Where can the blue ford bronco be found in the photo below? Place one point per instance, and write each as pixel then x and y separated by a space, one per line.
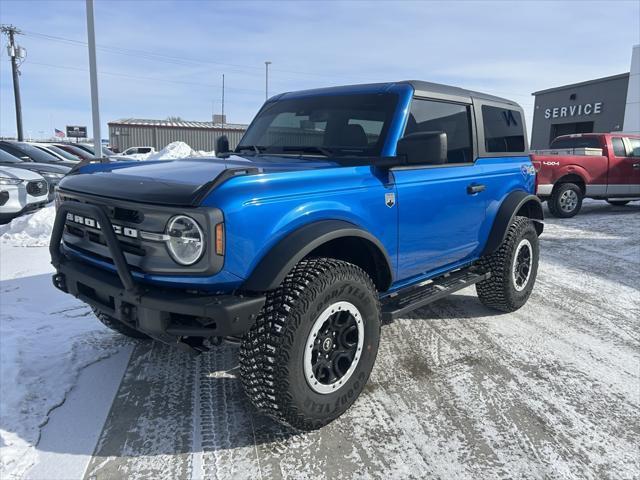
pixel 340 209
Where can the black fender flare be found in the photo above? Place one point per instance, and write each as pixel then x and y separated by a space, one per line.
pixel 272 269
pixel 515 202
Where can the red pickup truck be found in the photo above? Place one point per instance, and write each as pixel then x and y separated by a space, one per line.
pixel 604 166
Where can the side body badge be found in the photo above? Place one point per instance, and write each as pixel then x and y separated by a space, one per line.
pixel 390 199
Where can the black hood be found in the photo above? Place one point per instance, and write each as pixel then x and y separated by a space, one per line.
pixel 183 182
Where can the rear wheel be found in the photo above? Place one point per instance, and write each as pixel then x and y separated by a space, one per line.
pixel 566 200
pixel 513 268
pixel 311 351
pixel 618 203
pixel 117 326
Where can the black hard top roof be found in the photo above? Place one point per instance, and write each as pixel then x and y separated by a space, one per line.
pixel 426 88
pixel 422 89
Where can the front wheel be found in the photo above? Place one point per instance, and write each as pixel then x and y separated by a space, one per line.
pixel 513 268
pixel 311 351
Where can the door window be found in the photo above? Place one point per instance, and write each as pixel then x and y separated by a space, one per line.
pixel 634 143
pixel 450 118
pixel 618 147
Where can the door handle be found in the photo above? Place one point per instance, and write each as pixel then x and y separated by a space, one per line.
pixel 475 188
pixel 636 165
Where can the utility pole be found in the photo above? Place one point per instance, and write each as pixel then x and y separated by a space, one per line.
pixel 93 76
pixel 223 101
pixel 266 80
pixel 15 52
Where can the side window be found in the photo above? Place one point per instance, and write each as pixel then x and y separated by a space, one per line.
pixel 450 118
pixel 503 130
pixel 618 147
pixel 634 143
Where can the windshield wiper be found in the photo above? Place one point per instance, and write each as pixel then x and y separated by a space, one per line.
pixel 256 148
pixel 309 149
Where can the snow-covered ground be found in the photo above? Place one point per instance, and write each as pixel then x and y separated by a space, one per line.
pixel 551 391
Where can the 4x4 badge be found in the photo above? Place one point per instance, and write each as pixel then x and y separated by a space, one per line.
pixel 390 199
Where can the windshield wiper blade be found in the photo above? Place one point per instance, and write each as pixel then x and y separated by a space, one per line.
pixel 256 148
pixel 309 149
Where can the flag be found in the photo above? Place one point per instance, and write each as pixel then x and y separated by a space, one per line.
pixel 59 133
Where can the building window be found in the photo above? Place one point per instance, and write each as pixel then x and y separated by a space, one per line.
pixel 503 130
pixel 450 118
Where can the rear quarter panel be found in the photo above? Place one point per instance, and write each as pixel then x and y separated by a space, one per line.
pixel 503 175
pixel 591 168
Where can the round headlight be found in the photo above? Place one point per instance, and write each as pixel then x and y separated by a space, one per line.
pixel 186 240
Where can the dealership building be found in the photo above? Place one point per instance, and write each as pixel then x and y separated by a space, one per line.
pixel 136 132
pixel 608 104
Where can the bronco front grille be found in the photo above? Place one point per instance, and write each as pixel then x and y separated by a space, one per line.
pixel 37 188
pixel 139 229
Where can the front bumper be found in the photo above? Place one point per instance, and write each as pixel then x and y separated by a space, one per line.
pixel 168 315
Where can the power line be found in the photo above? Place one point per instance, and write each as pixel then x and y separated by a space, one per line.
pixel 153 56
pixel 137 77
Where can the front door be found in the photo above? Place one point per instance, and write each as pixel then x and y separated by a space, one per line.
pixel 441 207
pixel 624 167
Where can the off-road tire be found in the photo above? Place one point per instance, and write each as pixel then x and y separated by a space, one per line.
pixel 554 202
pixel 272 352
pixel 499 291
pixel 618 203
pixel 117 326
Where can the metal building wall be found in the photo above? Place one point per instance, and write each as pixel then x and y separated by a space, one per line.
pixel 125 136
pixel 610 93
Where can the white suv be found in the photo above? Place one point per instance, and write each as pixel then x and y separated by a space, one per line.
pixel 21 191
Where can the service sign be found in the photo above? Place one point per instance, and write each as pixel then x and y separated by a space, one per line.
pixel 76 132
pixel 574 110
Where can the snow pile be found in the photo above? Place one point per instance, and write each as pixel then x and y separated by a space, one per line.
pixel 32 230
pixel 173 151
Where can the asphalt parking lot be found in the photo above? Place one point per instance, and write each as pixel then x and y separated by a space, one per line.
pixel 550 391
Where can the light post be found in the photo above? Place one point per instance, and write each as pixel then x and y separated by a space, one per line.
pixel 266 80
pixel 93 78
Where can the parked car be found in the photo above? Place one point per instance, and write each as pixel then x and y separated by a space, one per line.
pixel 56 151
pixel 21 191
pixel 30 153
pixel 138 151
pixel 604 166
pixel 89 147
pixel 341 207
pixel 75 150
pixel 51 173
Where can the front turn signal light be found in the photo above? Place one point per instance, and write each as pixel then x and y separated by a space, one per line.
pixel 220 239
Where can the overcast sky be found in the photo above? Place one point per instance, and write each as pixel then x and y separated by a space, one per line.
pixel 166 58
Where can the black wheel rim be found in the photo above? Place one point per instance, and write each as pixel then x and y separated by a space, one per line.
pixel 333 347
pixel 522 264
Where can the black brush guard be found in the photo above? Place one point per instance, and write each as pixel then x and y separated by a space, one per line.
pixel 166 314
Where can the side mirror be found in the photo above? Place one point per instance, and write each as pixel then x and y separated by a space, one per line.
pixel 423 147
pixel 222 145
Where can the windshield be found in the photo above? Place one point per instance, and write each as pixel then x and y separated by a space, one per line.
pixel 6 157
pixel 62 153
pixel 353 125
pixel 35 154
pixel 576 142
